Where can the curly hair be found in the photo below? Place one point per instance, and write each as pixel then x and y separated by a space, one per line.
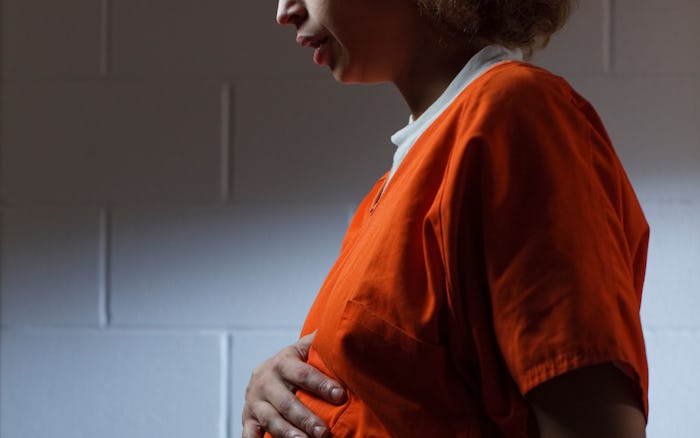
pixel 527 24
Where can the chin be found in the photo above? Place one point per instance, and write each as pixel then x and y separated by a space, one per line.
pixel 342 75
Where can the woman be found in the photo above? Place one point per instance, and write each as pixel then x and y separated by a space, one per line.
pixel 489 284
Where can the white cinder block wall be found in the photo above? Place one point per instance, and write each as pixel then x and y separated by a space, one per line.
pixel 176 176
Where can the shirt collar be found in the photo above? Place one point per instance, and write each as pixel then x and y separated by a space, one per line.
pixel 477 64
pixel 475 67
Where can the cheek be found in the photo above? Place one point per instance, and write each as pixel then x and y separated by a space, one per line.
pixel 321 12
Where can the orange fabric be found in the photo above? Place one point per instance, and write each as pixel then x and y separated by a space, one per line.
pixel 508 249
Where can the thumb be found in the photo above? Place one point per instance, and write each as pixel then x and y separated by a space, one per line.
pixel 304 345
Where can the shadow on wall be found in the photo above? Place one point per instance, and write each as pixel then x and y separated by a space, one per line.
pixel 171 266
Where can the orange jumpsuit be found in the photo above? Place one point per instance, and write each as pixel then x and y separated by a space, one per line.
pixel 509 248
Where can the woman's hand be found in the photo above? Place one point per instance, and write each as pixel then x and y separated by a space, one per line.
pixel 270 401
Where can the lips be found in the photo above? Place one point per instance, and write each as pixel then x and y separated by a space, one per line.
pixel 318 42
pixel 313 41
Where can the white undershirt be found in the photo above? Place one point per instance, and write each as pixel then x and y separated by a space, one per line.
pixel 477 65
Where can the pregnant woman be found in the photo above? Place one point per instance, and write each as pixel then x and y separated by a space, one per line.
pixel 489 284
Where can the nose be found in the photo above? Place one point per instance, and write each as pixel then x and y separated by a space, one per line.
pixel 291 12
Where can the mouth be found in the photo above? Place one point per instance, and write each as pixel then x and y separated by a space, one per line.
pixel 320 45
pixel 313 41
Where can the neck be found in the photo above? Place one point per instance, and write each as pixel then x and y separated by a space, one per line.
pixel 436 58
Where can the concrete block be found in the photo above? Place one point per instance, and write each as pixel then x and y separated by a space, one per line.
pixel 673 383
pixel 654 123
pixel 582 45
pixel 246 266
pixel 110 384
pixel 673 269
pixel 52 266
pixel 83 142
pixel 653 37
pixel 209 38
pixel 50 39
pixel 312 141
pixel 249 350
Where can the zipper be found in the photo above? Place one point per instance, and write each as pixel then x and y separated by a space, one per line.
pixel 377 198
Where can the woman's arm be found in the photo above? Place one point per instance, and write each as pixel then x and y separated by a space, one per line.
pixel 598 401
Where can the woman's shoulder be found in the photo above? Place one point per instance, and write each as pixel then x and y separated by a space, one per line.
pixel 521 73
pixel 518 92
pixel 516 82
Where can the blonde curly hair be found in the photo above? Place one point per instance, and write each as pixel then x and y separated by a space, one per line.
pixel 527 24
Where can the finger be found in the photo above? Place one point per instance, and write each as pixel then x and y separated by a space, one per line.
pixel 269 419
pixel 286 406
pixel 295 412
pixel 312 380
pixel 252 429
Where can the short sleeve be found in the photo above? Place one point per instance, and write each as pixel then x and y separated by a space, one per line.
pixel 564 238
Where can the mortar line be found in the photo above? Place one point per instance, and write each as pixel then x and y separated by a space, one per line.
pixel 104 268
pixel 225 390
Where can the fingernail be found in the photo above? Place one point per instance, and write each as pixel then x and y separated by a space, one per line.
pixel 319 431
pixel 336 394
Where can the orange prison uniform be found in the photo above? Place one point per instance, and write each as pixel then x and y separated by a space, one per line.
pixel 509 248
